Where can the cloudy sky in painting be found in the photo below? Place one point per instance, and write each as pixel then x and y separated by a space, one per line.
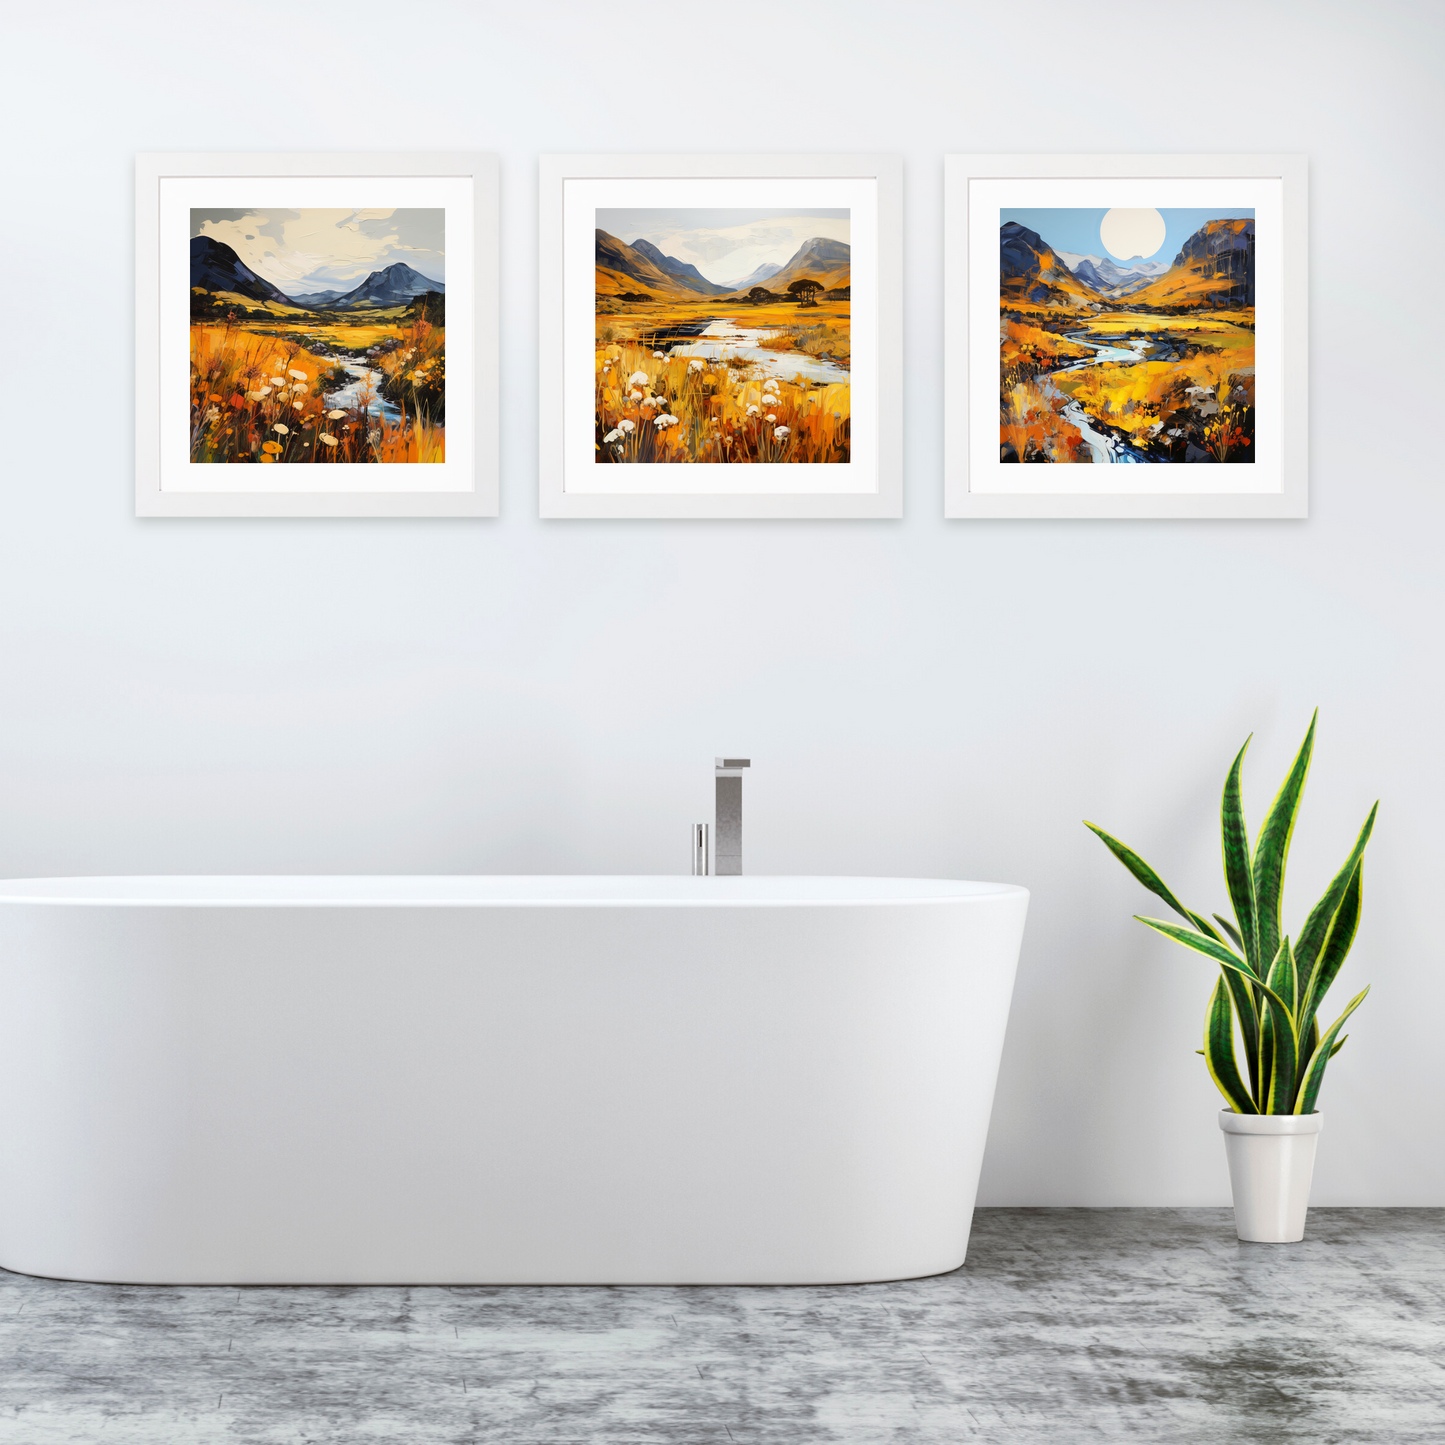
pixel 328 250
pixel 726 243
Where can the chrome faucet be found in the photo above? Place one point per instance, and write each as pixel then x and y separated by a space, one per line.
pixel 728 815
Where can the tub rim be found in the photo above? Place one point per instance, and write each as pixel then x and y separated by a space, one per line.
pixel 493 890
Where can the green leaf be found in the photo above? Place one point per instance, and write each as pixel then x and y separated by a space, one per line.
pixel 1339 1044
pixel 1246 1007
pixel 1283 976
pixel 1205 927
pixel 1279 1037
pixel 1141 871
pixel 1231 930
pixel 1271 850
pixel 1313 1074
pixel 1322 915
pixel 1277 1027
pixel 1238 873
pixel 1219 1050
pixel 1245 988
pixel 1209 947
pixel 1340 907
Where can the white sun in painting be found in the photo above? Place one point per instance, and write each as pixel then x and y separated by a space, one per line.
pixel 1127 232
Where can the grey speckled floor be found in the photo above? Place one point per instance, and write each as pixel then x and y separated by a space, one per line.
pixel 1065 1325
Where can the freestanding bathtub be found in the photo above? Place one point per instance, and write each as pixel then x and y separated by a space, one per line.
pixel 497 1080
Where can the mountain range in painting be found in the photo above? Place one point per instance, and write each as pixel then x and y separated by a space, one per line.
pixel 1137 360
pixel 624 270
pixel 1110 278
pixel 217 270
pixel 1214 268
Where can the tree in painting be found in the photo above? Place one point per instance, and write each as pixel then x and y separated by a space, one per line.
pixel 318 336
pixel 1109 352
pixel 701 353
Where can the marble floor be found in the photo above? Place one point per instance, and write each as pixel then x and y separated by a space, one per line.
pixel 1065 1325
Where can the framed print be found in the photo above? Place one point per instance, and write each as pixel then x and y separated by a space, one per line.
pixel 1126 336
pixel 721 336
pixel 316 336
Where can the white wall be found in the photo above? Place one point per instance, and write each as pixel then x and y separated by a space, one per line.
pixel 918 697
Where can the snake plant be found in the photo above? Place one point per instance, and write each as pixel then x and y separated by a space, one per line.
pixel 1270 988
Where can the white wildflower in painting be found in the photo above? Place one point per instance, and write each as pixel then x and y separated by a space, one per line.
pixel 612 436
pixel 771 417
pixel 299 405
pixel 658 356
pixel 752 411
pixel 694 365
pixel 328 439
pixel 779 432
pixel 281 427
pixel 626 426
pixel 335 415
pixel 297 375
pixel 638 378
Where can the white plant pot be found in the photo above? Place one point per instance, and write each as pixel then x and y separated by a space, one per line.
pixel 1271 1163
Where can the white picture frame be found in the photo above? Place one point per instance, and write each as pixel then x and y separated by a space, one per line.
pixel 168 482
pixel 977 482
pixel 868 485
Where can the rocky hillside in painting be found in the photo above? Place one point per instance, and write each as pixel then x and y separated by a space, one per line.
pixel 758 277
pixel 1031 271
pixel 1214 268
pixel 1113 278
pixel 830 263
pixel 642 272
pixel 394 286
pixel 682 272
pixel 627 272
pixel 216 268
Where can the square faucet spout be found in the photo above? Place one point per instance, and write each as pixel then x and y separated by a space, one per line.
pixel 728 819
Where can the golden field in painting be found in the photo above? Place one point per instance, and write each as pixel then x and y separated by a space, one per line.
pixel 259 387
pixel 1208 383
pixel 652 406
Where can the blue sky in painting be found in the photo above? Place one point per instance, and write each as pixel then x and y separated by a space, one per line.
pixel 1076 228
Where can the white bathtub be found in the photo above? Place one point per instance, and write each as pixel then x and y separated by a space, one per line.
pixel 497 1080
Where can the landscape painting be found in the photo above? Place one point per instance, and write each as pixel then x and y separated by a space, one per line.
pixel 722 335
pixel 1127 335
pixel 318 335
